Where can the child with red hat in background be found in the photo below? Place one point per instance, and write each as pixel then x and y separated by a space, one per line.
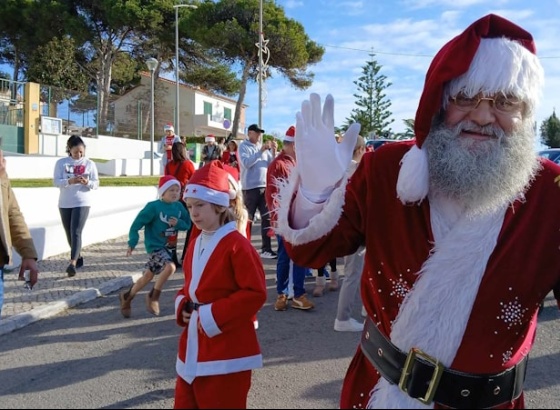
pixel 224 289
pixel 161 220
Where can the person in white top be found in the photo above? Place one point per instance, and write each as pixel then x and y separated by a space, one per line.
pixel 76 176
pixel 166 144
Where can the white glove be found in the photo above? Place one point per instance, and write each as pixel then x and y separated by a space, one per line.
pixel 321 161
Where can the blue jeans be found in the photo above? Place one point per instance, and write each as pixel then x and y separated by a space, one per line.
pixel 283 266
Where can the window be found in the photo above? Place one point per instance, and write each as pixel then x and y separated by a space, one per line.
pixel 227 113
pixel 207 108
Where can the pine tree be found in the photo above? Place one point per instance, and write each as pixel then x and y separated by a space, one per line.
pixel 550 131
pixel 373 105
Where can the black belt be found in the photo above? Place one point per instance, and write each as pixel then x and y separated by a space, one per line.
pixel 422 377
pixel 190 306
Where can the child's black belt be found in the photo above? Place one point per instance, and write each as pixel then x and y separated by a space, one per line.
pixel 423 378
pixel 190 306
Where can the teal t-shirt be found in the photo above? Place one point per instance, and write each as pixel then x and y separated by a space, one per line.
pixel 153 218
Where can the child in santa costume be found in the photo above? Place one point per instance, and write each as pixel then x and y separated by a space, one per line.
pixel 166 144
pixel 224 289
pixel 461 228
pixel 161 220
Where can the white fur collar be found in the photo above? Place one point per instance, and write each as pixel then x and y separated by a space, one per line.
pixel 445 293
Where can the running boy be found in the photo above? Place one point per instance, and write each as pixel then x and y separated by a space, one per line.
pixel 161 220
pixel 224 289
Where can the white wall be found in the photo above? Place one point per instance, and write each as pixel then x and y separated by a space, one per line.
pixel 102 147
pixel 112 213
pixel 125 157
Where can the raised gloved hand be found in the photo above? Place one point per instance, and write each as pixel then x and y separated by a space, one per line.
pixel 321 161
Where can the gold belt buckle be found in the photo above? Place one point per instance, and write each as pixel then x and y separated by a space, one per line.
pixel 434 380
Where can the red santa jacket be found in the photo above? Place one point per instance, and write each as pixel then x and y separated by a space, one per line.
pixel 280 167
pixel 476 292
pixel 227 277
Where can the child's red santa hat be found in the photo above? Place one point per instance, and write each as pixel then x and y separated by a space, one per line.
pixel 492 55
pixel 209 183
pixel 290 134
pixel 166 182
pixel 233 179
pixel 210 138
pixel 168 127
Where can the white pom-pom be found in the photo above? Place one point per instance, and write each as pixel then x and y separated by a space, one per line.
pixel 233 187
pixel 413 182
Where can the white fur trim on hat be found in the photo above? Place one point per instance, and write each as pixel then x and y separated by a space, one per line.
pixel 167 185
pixel 210 138
pixel 413 182
pixel 168 127
pixel 234 186
pixel 290 134
pixel 520 73
pixel 207 194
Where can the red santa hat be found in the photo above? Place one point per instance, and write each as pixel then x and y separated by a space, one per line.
pixel 210 138
pixel 209 183
pixel 168 127
pixel 290 134
pixel 233 179
pixel 469 63
pixel 166 182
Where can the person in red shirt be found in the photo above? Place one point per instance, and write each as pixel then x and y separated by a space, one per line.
pixel 229 156
pixel 182 169
pixel 279 170
pixel 180 166
pixel 166 144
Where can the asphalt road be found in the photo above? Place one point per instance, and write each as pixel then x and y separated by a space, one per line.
pixel 90 357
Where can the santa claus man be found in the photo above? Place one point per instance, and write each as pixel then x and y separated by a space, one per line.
pixel 461 227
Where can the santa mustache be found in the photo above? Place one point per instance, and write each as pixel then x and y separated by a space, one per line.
pixel 468 126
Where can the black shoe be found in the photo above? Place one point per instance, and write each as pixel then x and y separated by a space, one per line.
pixel 71 270
pixel 79 262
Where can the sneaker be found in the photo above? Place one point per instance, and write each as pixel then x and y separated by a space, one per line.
pixel 281 303
pixel 268 255
pixel 71 270
pixel 79 262
pixel 302 303
pixel 350 325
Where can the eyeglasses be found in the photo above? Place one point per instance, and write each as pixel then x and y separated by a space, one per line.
pixel 505 104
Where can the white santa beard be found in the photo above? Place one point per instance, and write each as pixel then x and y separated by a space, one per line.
pixel 482 176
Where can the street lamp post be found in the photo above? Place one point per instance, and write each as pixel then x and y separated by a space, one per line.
pixel 152 64
pixel 176 7
pixel 261 68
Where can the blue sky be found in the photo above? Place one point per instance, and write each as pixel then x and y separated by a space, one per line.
pixel 404 35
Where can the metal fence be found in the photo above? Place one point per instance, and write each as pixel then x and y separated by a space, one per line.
pixel 11 102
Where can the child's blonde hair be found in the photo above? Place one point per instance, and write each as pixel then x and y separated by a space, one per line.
pixel 225 213
pixel 237 209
